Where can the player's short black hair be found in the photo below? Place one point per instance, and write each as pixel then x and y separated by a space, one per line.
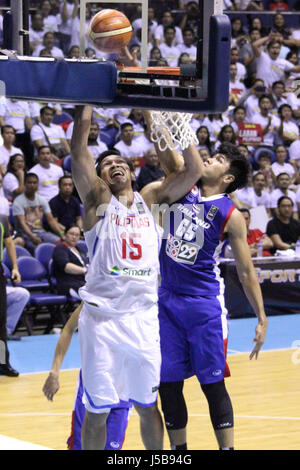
pixel 239 166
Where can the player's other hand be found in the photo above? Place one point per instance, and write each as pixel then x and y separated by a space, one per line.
pixel 51 386
pixel 260 334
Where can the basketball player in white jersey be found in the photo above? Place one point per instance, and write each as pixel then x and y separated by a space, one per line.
pixel 118 325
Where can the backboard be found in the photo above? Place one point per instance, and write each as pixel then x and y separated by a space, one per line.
pixel 200 86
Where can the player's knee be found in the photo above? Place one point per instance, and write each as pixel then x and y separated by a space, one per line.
pixel 146 412
pixel 220 407
pixel 95 421
pixel 173 405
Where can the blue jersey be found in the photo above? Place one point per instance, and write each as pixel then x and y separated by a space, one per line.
pixel 192 243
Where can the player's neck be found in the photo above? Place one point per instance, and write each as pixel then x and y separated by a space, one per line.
pixel 125 197
pixel 208 191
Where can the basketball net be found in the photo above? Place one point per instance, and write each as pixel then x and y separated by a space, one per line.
pixel 168 128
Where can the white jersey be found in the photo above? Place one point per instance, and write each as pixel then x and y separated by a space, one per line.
pixel 123 249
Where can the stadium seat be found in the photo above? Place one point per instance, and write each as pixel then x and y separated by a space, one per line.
pixel 67 164
pixel 6 271
pixel 20 251
pixel 34 275
pixel 43 253
pixel 82 246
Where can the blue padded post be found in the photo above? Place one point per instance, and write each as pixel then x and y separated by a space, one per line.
pixel 60 80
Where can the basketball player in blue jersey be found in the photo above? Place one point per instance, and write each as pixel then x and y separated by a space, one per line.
pixel 192 313
pixel 118 325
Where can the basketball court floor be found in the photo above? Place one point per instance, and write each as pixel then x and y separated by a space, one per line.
pixel 265 393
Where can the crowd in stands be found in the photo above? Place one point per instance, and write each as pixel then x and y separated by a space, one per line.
pixel 36 188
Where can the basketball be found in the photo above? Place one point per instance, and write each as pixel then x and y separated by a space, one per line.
pixel 110 31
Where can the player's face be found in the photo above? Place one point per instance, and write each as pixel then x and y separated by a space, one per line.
pixel 215 167
pixel 115 172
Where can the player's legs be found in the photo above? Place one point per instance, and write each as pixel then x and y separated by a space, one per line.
pixel 193 331
pixel 93 433
pixel 116 423
pixel 221 413
pixel 151 426
pixel 175 413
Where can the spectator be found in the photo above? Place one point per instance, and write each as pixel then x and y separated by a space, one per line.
pixel 13 181
pixel 65 207
pixel 281 166
pixel 16 300
pixel 204 154
pixel 28 210
pixel 144 140
pixel 69 263
pixel 48 133
pixel 47 172
pixel 203 139
pixel 214 124
pixel 277 5
pixel 246 196
pixel 94 143
pixel 226 135
pixel 261 196
pixel 49 45
pixel 17 114
pixel 36 31
pixel 7 149
pixel 167 49
pixel 283 182
pixel 68 11
pixel 253 5
pixel 127 146
pixel 239 116
pixel 235 59
pixel 288 131
pixel 167 20
pixel 6 240
pixel 236 87
pixel 151 171
pixel 250 100
pixel 269 124
pixel 237 29
pixel 104 118
pixel 188 44
pixel 279 27
pixel 256 23
pixel 256 235
pixel 136 118
pixel 50 21
pixel 191 18
pixel 283 229
pixel 270 67
pixel 264 162
pixel 246 52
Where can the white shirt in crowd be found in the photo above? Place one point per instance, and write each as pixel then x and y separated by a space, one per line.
pixel 190 50
pixel 269 137
pixel 10 183
pixel 4 205
pixel 283 168
pixel 246 195
pixel 6 154
pixel 14 114
pixel 170 53
pixel 54 133
pixel 271 70
pixel 48 179
pixel 277 193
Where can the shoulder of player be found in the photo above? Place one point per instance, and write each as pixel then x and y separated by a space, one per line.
pixel 150 192
pixel 235 225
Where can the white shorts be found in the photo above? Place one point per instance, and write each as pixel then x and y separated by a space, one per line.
pixel 120 358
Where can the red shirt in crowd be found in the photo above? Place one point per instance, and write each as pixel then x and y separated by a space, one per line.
pixel 254 236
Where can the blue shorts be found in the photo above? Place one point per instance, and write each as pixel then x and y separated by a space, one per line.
pixel 193 331
pixel 116 423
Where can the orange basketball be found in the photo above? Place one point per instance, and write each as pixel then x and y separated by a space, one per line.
pixel 110 30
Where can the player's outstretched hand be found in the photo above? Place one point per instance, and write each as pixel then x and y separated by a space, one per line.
pixel 51 386
pixel 260 334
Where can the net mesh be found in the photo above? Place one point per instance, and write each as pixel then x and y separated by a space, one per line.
pixel 169 128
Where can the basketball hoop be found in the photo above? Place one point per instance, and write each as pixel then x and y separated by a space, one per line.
pixel 178 126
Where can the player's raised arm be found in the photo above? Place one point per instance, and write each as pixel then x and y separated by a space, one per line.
pixel 91 189
pixel 236 229
pixel 182 173
pixel 170 160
